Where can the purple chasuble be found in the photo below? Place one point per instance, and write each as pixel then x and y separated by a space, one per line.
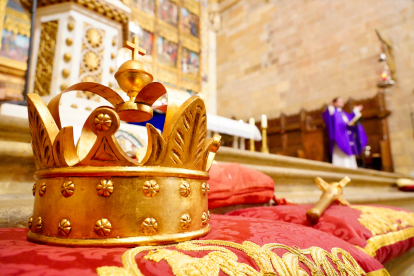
pixel 350 139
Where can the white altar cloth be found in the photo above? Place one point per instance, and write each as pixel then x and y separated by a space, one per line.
pixel 77 117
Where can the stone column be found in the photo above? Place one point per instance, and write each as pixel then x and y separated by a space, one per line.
pixel 214 18
pixel 242 143
pixel 235 142
pixel 76 42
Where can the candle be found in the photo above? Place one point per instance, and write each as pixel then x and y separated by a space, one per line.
pixel 264 121
pixel 251 121
pixel 384 75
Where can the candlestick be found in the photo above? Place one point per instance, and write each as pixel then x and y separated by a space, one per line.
pixel 252 148
pixel 265 148
pixel 242 144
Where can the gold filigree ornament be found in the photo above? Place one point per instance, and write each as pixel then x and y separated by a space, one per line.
pixel 45 57
pixel 34 189
pixel 219 258
pixel 94 38
pixel 179 157
pixel 92 61
pixel 106 9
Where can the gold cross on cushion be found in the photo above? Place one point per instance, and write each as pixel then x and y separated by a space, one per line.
pixel 331 193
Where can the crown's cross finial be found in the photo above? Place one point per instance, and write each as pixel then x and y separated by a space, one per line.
pixel 134 47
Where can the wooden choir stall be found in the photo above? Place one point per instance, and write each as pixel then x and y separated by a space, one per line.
pixel 303 134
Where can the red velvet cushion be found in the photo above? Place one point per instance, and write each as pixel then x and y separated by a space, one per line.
pixel 20 257
pixel 345 222
pixel 407 188
pixel 232 184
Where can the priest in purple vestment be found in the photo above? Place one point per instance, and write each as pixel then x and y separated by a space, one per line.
pixel 346 137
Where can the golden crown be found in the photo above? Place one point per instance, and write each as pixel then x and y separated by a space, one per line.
pixel 95 194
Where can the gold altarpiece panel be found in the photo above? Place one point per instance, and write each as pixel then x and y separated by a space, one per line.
pixel 169 30
pixel 45 59
pixel 14 44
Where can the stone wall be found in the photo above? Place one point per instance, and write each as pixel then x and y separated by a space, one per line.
pixel 280 56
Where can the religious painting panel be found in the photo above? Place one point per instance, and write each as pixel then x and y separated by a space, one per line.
pixel 191 85
pixel 190 62
pixel 15 5
pixel 167 76
pixel 168 12
pixel 14 46
pixel 146 40
pixel 167 52
pixel 11 87
pixel 147 6
pixel 190 22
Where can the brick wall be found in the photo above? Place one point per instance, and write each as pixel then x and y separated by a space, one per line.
pixel 283 55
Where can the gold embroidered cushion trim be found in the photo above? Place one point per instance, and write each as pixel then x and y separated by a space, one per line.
pixel 380 220
pixel 387 226
pixel 381 272
pixel 377 242
pixel 219 258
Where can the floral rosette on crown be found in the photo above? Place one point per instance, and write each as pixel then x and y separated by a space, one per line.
pixel 95 194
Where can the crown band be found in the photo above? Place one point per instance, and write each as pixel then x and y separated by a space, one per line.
pixel 121 171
